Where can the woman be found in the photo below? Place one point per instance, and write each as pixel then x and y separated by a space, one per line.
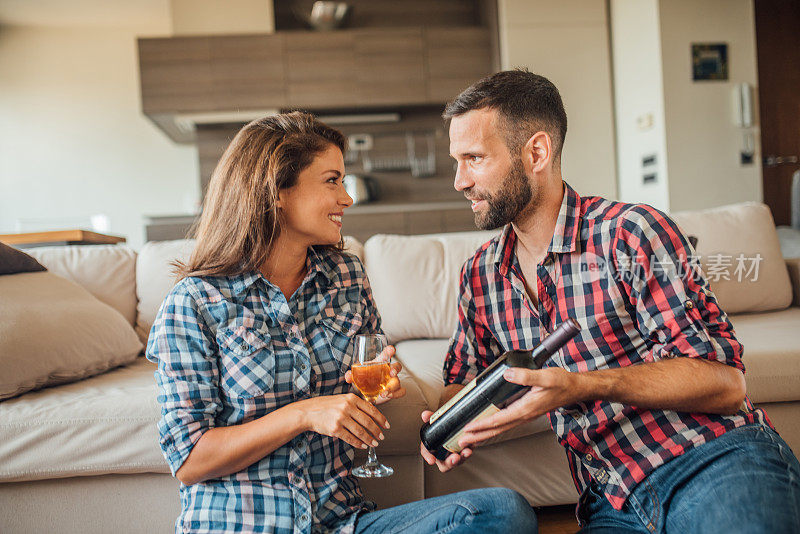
pixel 252 347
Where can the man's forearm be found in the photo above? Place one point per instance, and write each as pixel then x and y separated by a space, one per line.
pixel 679 384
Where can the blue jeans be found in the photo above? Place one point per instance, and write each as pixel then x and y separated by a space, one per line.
pixel 747 480
pixel 481 511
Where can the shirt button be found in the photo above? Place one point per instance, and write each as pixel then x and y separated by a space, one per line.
pixel 302 367
pixel 304 518
pixel 689 305
pixel 245 346
pixel 589 457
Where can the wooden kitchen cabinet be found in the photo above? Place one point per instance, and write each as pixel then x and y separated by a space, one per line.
pixel 220 73
pixel 248 72
pixel 176 74
pixel 320 69
pixel 455 58
pixel 389 66
pixel 311 70
pixel 363 225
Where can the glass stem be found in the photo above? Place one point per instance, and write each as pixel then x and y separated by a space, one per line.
pixel 372 458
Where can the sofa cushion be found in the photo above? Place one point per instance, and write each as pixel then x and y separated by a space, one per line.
pixel 155 276
pixel 735 236
pixel 105 271
pixel 771 354
pixel 53 331
pixel 13 261
pixel 104 424
pixel 415 281
pixel 108 424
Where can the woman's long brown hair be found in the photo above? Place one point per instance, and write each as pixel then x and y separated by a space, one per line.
pixel 240 220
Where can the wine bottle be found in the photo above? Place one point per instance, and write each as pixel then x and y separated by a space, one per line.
pixel 488 393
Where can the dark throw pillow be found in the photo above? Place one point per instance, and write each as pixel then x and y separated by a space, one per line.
pixel 13 261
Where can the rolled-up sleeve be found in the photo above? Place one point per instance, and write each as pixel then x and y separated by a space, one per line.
pixel 187 377
pixel 675 310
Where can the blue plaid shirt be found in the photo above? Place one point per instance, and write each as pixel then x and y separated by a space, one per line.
pixel 231 349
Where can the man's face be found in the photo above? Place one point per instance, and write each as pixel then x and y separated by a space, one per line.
pixel 487 173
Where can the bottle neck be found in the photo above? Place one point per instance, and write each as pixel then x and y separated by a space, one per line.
pixel 540 355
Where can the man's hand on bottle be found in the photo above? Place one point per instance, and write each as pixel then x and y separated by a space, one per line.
pixel 449 462
pixel 551 388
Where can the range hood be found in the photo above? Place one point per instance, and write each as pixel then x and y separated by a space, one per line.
pixel 182 127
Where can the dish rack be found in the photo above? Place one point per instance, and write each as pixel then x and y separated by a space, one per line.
pixel 383 152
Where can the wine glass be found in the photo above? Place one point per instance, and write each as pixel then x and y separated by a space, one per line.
pixel 371 376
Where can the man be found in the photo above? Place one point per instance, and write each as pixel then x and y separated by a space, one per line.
pixel 649 399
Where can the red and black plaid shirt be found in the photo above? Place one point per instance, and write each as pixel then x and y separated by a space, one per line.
pixel 626 273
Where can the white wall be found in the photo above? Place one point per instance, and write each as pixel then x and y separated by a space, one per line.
pixel 703 143
pixel 73 141
pixel 639 101
pixel 567 42
pixel 693 132
pixel 215 17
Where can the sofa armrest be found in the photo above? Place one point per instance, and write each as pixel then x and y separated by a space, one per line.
pixel 793 264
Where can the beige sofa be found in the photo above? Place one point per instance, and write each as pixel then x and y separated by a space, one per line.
pixel 83 457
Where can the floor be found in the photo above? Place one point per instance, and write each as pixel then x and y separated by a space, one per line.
pixel 557 519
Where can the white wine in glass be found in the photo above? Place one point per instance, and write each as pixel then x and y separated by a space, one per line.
pixel 371 376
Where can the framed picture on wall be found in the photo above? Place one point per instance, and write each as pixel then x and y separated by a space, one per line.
pixel 709 61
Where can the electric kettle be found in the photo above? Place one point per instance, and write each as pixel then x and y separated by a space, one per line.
pixel 362 189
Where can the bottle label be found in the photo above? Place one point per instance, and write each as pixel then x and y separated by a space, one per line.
pixel 452 444
pixel 446 406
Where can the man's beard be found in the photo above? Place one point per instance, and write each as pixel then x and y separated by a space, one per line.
pixel 513 196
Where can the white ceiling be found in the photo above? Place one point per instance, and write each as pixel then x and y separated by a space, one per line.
pixel 67 13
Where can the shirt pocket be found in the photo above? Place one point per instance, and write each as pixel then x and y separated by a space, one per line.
pixel 340 329
pixel 247 363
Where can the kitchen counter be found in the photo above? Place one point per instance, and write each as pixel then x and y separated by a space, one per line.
pixel 361 221
pixel 358 209
pixel 392 207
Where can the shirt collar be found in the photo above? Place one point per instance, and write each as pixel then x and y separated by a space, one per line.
pixel 504 254
pixel 242 282
pixel 315 264
pixel 565 234
pixel 318 265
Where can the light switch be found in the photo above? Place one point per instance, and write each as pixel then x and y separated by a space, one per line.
pixel 645 122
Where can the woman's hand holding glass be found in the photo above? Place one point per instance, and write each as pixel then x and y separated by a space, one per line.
pixel 347 417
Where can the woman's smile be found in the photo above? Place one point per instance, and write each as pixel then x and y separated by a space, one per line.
pixel 336 218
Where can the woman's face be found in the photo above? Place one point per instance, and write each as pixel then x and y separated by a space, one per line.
pixel 312 208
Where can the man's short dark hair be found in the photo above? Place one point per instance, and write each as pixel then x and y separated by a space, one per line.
pixel 526 102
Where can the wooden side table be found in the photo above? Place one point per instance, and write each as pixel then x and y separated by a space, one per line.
pixel 59 237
